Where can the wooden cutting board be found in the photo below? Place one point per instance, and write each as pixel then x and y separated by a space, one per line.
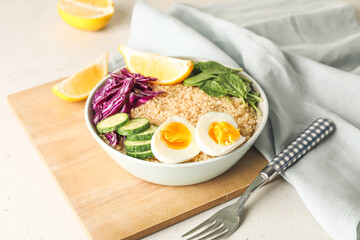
pixel 111 203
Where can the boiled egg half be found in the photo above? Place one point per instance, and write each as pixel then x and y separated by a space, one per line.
pixel 217 134
pixel 174 141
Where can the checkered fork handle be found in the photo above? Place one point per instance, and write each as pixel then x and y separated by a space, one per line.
pixel 307 140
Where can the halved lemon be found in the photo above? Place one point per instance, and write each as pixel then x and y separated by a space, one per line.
pixel 88 15
pixel 166 69
pixel 78 86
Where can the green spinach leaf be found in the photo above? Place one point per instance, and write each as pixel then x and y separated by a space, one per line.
pixel 245 79
pixel 212 67
pixel 233 84
pixel 248 87
pixel 253 98
pixel 196 69
pixel 197 79
pixel 213 88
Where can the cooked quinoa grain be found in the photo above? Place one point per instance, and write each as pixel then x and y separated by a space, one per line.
pixel 191 103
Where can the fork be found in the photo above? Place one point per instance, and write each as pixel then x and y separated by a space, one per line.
pixel 226 221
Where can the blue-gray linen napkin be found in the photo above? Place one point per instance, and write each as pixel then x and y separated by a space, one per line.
pixel 306 56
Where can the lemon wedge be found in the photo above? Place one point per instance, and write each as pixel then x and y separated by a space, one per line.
pixel 88 15
pixel 78 86
pixel 166 69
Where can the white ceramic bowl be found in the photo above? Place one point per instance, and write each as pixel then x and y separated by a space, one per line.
pixel 183 173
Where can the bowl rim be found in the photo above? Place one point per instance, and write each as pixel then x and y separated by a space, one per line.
pixel 247 144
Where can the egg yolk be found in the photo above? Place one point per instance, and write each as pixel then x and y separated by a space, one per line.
pixel 223 133
pixel 176 136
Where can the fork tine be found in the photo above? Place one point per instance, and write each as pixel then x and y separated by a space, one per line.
pixel 224 235
pixel 217 233
pixel 208 222
pixel 207 230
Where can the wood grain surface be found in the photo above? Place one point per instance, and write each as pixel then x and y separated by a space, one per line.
pixel 111 203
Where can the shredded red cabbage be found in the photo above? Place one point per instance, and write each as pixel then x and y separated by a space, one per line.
pixel 112 137
pixel 122 92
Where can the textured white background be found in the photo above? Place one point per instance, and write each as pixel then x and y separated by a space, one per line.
pixel 36 47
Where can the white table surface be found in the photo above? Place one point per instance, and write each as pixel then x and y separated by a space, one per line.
pixel 36 47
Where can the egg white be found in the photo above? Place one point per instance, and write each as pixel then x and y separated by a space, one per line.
pixel 204 141
pixel 167 155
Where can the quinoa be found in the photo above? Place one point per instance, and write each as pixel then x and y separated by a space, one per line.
pixel 191 103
